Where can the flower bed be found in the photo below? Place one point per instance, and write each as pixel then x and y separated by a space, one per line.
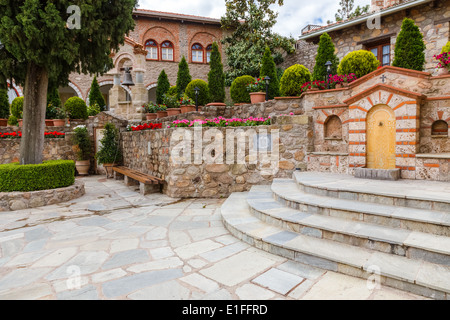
pixel 18 135
pixel 221 122
pixel 146 126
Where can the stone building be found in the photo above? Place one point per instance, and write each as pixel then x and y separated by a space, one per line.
pixel 377 31
pixel 158 41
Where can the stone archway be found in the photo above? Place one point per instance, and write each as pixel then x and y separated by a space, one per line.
pixel 381 138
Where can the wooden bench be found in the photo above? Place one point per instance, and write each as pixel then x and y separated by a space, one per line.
pixel 147 183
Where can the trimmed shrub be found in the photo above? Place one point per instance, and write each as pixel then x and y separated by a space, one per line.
pixel 325 53
pixel 359 62
pixel 173 91
pixel 33 177
pixel 203 96
pixel 82 143
pixel 183 76
pixel 409 49
pixel 292 80
pixel 238 89
pixel 95 95
pixel 17 107
pixel 4 104
pixel 162 87
pixel 216 77
pixel 110 149
pixel 12 120
pixel 76 108
pixel 446 48
pixel 268 68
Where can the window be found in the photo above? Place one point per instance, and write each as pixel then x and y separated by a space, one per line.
pixel 152 47
pixel 167 51
pixel 197 53
pixel 382 52
pixel 208 53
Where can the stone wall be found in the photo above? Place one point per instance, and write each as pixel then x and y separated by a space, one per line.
pixel 155 153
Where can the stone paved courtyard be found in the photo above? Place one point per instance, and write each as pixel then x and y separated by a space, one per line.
pixel 113 243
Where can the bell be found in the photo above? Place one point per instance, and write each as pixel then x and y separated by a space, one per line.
pixel 128 79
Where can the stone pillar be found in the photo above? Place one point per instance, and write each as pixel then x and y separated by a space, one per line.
pixel 140 94
pixel 115 94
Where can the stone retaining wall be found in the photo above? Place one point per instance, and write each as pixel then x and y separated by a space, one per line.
pixel 11 201
pixel 219 173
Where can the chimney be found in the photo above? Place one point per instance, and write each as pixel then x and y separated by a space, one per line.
pixel 382 4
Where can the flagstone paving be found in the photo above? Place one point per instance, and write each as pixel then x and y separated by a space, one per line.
pixel 114 243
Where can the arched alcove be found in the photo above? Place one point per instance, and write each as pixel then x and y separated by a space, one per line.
pixel 333 127
pixel 439 128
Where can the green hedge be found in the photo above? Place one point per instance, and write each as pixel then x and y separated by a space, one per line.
pixel 359 62
pixel 203 96
pixel 238 90
pixel 33 177
pixel 292 80
pixel 76 108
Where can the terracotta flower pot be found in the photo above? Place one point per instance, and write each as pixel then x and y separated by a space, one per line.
pixel 313 89
pixel 173 111
pixel 339 85
pixel 48 123
pixel 257 97
pixel 185 109
pixel 162 114
pixel 3 122
pixel 20 122
pixel 83 167
pixel 59 122
pixel 443 72
pixel 151 116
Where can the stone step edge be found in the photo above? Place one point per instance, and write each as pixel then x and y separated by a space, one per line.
pixel 394 281
pixel 413 219
pixel 404 201
pixel 396 247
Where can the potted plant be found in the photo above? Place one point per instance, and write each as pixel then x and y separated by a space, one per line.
pixel 161 111
pixel 173 105
pixel 82 149
pixel 60 117
pixel 444 63
pixel 151 110
pixel 187 104
pixel 256 90
pixel 50 114
pixel 109 153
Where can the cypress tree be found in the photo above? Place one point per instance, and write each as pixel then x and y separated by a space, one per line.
pixel 325 53
pixel 162 87
pixel 95 95
pixel 409 48
pixel 183 77
pixel 268 68
pixel 216 77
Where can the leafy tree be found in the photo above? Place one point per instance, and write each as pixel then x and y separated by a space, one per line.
pixel 409 49
pixel 216 77
pixel 183 77
pixel 163 87
pixel 325 53
pixel 39 36
pixel 95 95
pixel 346 10
pixel 268 68
pixel 250 23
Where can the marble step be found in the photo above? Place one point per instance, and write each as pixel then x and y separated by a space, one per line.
pixel 419 277
pixel 429 195
pixel 288 193
pixel 401 242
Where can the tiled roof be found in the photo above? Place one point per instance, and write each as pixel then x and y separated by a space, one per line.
pixel 175 16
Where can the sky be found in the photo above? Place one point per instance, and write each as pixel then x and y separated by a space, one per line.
pixel 293 16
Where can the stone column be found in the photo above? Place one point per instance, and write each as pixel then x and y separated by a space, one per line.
pixel 140 94
pixel 115 93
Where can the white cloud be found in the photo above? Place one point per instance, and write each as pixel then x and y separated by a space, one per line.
pixel 294 15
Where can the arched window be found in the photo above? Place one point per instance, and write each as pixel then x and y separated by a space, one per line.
pixel 208 53
pixel 167 51
pixel 152 47
pixel 333 128
pixel 197 53
pixel 439 128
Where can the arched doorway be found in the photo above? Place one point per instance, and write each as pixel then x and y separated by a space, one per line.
pixel 380 137
pixel 68 92
pixel 151 89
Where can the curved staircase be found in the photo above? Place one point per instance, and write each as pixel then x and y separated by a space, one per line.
pixel 397 230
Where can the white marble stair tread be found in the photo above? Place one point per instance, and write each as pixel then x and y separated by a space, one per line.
pixel 392 266
pixel 406 189
pixel 424 241
pixel 288 189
